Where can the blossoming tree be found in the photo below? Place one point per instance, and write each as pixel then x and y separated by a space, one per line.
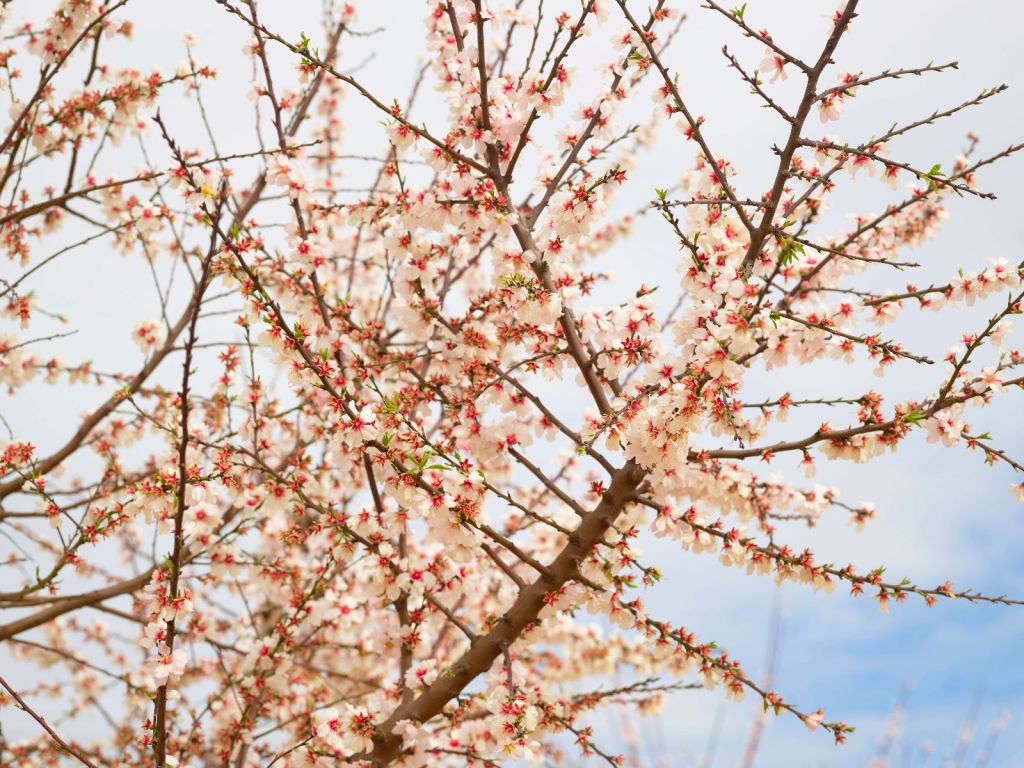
pixel 389 510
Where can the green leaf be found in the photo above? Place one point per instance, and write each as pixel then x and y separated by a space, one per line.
pixel 739 11
pixel 914 417
pixel 790 250
pixel 934 173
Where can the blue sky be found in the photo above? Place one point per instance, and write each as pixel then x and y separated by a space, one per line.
pixel 941 514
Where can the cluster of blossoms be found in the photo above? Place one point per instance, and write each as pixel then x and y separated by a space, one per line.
pixel 390 507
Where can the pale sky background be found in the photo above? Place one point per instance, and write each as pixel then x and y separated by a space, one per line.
pixel 941 513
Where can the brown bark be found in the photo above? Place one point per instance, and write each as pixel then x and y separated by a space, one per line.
pixel 487 648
